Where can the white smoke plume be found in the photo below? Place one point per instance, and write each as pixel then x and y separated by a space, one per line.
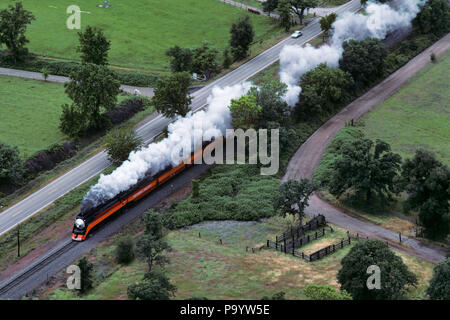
pixel 377 22
pixel 157 156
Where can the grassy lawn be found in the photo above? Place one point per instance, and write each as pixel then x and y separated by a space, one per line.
pixel 140 30
pixel 203 267
pixel 30 112
pixel 418 116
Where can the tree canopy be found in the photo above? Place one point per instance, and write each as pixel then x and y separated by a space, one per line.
pixel 366 168
pixel 439 288
pixel 172 95
pixel 242 35
pixel 293 197
pixel 326 23
pixel 120 142
pixel 244 112
pixel 427 182
pixel 298 7
pixel 154 286
pixel 13 25
pixel 394 274
pixel 434 17
pixel 93 46
pixel 270 6
pixel 11 165
pixel 284 10
pixel 364 60
pixel 324 292
pixel 93 90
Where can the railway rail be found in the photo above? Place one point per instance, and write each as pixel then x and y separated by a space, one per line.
pixel 22 276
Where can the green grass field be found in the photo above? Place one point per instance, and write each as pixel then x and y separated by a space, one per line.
pixel 30 112
pixel 418 116
pixel 140 30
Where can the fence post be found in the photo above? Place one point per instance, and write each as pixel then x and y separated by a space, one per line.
pixel 308 237
pixel 357 236
pixel 342 243
pixel 268 245
pixel 301 241
pixel 293 249
pixel 334 248
pixel 284 242
pixel 276 239
pixel 349 241
pixel 323 231
pixel 246 249
pixel 303 255
pixel 316 234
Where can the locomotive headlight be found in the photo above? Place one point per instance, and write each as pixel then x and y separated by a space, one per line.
pixel 79 223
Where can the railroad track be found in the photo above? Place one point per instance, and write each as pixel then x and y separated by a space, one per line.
pixel 21 277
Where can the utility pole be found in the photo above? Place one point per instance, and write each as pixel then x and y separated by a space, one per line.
pixel 18 241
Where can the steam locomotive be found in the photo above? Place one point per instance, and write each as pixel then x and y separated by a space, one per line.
pixel 90 218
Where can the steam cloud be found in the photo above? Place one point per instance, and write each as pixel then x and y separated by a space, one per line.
pixel 380 19
pixel 158 156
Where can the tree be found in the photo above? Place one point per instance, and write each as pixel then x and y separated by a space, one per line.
pixel 324 292
pixel 204 60
pixel 434 17
pixel 242 35
pixel 227 60
pixel 366 168
pixel 45 73
pixel 269 95
pixel 150 245
pixel 323 89
pixel 426 181
pixel 11 165
pixel 93 90
pixel 125 250
pixel 364 60
pixel 181 59
pixel 326 23
pixel 439 288
pixel 270 5
pixel 172 95
pixel 244 112
pixel 298 7
pixel 154 286
pixel 13 25
pixel 284 10
pixel 276 296
pixel 394 274
pixel 93 46
pixel 293 197
pixel 85 274
pixel 120 142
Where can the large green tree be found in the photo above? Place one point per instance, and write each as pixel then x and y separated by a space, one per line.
pixel 242 35
pixel 245 112
pixel 324 89
pixel 86 269
pixel 154 286
pixel 326 24
pixel 120 142
pixel 93 90
pixel 151 244
pixel 172 95
pixel 11 165
pixel 298 7
pixel 269 95
pixel 93 46
pixel 366 168
pixel 270 5
pixel 293 197
pixel 284 10
pixel 181 59
pixel 204 60
pixel 394 274
pixel 13 25
pixel 434 17
pixel 427 183
pixel 364 60
pixel 439 288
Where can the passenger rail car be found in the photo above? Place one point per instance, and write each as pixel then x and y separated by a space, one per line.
pixel 86 221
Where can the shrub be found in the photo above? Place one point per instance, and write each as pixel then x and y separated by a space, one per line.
pixel 125 250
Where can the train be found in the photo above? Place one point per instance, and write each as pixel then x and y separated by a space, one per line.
pixel 91 218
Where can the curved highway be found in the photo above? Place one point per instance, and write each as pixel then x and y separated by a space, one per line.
pixel 26 208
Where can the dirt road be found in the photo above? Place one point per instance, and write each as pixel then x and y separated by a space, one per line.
pixel 308 156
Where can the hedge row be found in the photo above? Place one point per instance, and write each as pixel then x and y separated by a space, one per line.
pixel 65 68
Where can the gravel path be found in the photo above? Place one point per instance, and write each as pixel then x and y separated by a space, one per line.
pixel 148 92
pixel 308 156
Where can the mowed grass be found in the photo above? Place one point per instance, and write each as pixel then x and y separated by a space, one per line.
pixel 140 30
pixel 202 267
pixel 29 114
pixel 418 116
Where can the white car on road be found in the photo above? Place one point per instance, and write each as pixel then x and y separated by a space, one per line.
pixel 297 34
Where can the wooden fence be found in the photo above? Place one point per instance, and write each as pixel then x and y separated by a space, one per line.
pixel 299 231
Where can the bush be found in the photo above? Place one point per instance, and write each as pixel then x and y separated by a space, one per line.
pixel 126 109
pixel 125 250
pixel 324 292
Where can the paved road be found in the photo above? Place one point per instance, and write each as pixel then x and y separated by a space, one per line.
pixel 19 212
pixel 308 156
pixel 61 79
